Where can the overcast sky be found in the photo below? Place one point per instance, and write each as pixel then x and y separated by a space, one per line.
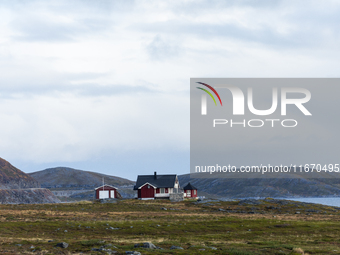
pixel 104 85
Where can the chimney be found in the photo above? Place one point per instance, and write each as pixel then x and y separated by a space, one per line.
pixel 155 175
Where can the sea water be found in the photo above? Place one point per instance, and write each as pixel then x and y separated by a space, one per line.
pixel 332 201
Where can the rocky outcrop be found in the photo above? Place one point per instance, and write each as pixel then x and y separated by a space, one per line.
pixel 27 196
pixel 13 178
pixel 16 187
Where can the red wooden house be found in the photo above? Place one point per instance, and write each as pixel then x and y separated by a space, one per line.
pixel 156 186
pixel 106 191
pixel 190 191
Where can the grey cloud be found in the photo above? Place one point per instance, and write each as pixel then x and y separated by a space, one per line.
pixel 92 17
pixel 88 90
pixel 195 7
pixel 81 84
pixel 102 7
pixel 160 49
pixel 36 20
pixel 38 29
pixel 95 90
pixel 310 25
pixel 43 31
pixel 264 35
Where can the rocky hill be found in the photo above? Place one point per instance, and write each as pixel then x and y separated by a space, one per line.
pixel 78 184
pixel 27 196
pixel 256 187
pixel 13 178
pixel 69 178
pixel 16 187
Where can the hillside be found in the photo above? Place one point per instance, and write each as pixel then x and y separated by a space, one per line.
pixel 69 178
pixel 27 196
pixel 76 184
pixel 16 187
pixel 13 178
pixel 253 187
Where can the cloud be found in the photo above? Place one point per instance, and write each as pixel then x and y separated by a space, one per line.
pixel 87 90
pixel 56 29
pixel 71 128
pixel 42 30
pixel 161 49
pixel 276 24
pixel 59 21
pixel 83 80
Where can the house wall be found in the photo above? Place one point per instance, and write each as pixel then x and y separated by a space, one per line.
pixel 158 194
pixel 193 193
pixel 165 190
pixel 146 191
pixel 176 186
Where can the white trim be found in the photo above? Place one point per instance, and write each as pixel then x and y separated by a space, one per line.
pixel 113 192
pixel 146 198
pixel 104 186
pixel 148 184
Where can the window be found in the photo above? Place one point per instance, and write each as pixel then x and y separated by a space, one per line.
pixel 188 193
pixel 194 192
pixel 162 190
pixel 148 186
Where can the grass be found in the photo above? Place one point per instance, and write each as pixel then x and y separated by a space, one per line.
pixel 200 228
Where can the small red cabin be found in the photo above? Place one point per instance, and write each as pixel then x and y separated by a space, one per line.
pixel 106 191
pixel 190 191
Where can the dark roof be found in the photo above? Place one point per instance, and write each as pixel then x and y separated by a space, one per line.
pixel 189 187
pixel 162 181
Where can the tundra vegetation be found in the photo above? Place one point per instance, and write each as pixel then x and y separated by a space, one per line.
pixel 266 226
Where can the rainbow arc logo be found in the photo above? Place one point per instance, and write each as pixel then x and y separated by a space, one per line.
pixel 209 93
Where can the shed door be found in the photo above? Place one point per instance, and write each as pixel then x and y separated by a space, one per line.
pixel 103 194
pixel 112 193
